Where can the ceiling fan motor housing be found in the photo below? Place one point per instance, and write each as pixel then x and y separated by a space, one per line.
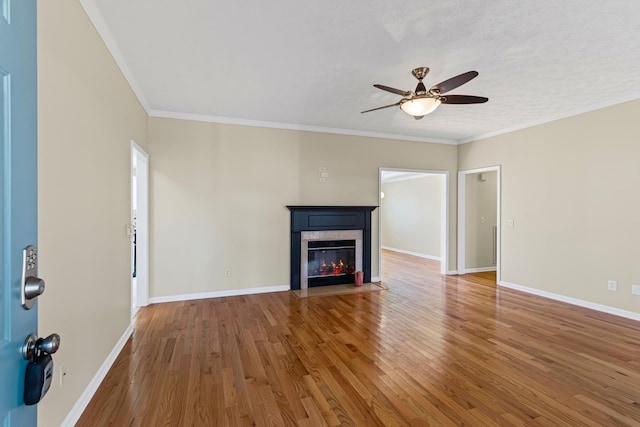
pixel 420 72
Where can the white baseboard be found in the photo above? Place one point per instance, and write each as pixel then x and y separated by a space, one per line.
pixel 402 251
pixel 375 279
pixel 479 269
pixel 81 404
pixel 574 301
pixel 219 294
pixel 452 272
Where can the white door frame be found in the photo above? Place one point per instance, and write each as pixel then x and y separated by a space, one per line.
pixel 444 214
pixel 142 224
pixel 462 216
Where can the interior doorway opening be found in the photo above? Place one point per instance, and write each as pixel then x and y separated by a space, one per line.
pixel 479 220
pixel 413 214
pixel 139 228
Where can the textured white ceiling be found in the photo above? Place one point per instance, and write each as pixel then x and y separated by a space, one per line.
pixel 311 64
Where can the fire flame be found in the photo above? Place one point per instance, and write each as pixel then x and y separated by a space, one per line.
pixel 333 269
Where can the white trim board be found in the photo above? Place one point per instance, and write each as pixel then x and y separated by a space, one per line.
pixel 632 96
pixel 573 301
pixel 479 269
pixel 81 404
pixel 402 251
pixel 219 294
pixel 102 29
pixel 141 159
pixel 292 126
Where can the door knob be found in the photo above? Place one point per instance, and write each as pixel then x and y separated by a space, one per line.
pixel 49 345
pixel 33 345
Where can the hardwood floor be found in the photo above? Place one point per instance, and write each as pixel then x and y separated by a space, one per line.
pixel 429 350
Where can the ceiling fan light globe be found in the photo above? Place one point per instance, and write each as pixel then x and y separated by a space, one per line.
pixel 420 106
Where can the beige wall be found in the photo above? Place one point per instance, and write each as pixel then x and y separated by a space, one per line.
pixel 218 197
pixel 410 215
pixel 87 117
pixel 480 217
pixel 571 188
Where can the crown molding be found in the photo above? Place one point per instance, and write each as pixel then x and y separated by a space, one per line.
pixel 629 97
pixel 290 126
pixel 101 27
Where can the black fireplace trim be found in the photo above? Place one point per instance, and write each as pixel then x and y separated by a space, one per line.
pixel 322 218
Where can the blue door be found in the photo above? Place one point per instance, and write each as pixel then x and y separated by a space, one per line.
pixel 18 195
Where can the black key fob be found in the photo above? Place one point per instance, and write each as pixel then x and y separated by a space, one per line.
pixel 38 378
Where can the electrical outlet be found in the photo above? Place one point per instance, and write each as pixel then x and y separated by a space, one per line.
pixel 635 289
pixel 612 285
pixel 227 272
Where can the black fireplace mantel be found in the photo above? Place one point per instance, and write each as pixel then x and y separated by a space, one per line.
pixel 320 218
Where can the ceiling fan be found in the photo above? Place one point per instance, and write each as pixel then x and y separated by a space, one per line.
pixel 421 102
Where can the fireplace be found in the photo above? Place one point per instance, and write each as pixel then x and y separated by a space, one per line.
pixel 329 244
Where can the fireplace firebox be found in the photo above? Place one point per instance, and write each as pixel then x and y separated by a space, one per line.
pixel 329 244
pixel 331 258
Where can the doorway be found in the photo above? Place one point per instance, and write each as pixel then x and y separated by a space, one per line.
pixel 139 228
pixel 413 214
pixel 479 220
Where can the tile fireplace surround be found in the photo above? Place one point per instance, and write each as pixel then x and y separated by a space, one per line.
pixel 326 223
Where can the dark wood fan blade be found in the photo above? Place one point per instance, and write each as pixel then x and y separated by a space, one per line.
pixel 393 90
pixel 453 82
pixel 463 99
pixel 380 108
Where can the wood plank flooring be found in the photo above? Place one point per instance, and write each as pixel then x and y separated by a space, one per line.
pixel 430 350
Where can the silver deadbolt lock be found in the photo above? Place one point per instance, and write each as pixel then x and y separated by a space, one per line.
pixel 31 285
